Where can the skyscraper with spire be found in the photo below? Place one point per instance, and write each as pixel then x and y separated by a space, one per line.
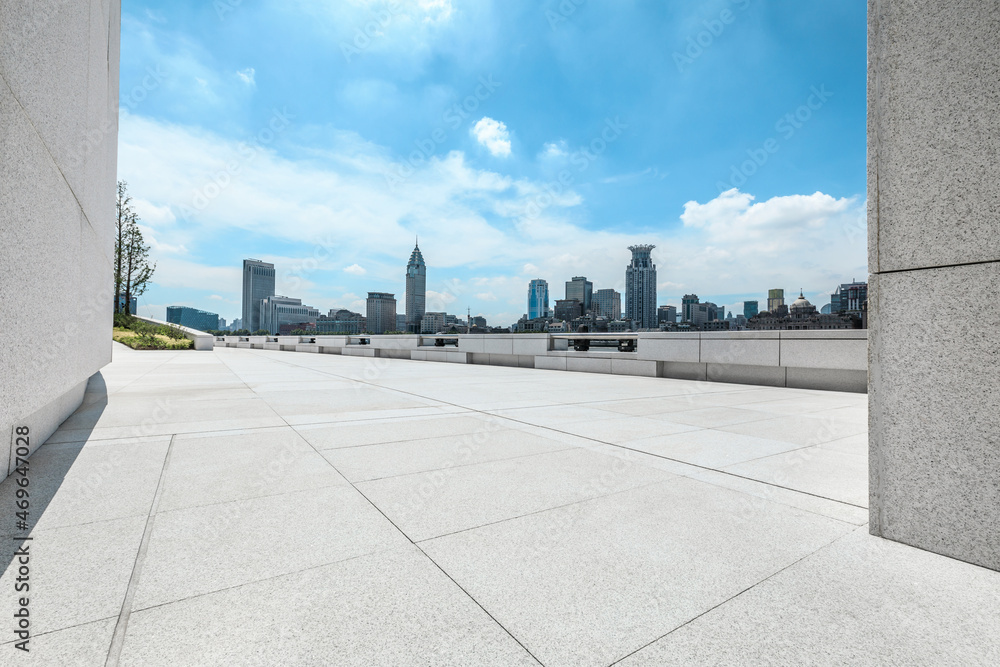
pixel 416 289
pixel 640 288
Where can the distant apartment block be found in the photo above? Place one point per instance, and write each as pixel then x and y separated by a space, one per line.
pixel 341 321
pixel 278 311
pixel 582 290
pixel 133 304
pixel 568 310
pixel 201 320
pixel 775 299
pixel 607 303
pixel 433 322
pixel 258 284
pixel 538 299
pixel 640 288
pixel 849 298
pixel 666 315
pixel 381 317
pixel 688 302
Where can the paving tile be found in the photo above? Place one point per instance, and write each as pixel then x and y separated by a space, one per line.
pixel 393 608
pixel 800 429
pixel 210 468
pixel 83 483
pixel 78 574
pixel 715 417
pixel 618 430
pixel 426 505
pixel 861 601
pixel 825 472
pixel 592 582
pixel 412 456
pixel 80 646
pixel 368 432
pixel 710 447
pixel 202 549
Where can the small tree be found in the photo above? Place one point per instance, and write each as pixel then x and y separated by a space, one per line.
pixel 133 271
pixel 124 214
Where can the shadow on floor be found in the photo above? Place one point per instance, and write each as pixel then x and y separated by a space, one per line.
pixel 47 468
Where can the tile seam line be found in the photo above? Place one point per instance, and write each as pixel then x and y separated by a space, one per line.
pixel 457 467
pixel 273 577
pixel 936 266
pixel 733 597
pixel 68 627
pixel 724 472
pixel 398 529
pixel 121 627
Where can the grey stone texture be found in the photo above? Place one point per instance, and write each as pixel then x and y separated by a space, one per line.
pixel 933 133
pixel 566 519
pixel 935 436
pixel 58 159
pixel 934 251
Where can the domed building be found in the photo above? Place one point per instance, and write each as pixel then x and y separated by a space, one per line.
pixel 802 315
pixel 801 308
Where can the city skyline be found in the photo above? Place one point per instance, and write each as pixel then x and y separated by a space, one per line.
pixel 423 132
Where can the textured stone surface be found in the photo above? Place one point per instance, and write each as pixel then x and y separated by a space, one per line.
pixel 639 563
pixel 579 556
pixel 391 608
pixel 58 142
pixel 935 411
pixel 859 601
pixel 933 133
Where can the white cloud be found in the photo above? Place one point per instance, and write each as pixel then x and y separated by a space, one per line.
pixel 355 270
pixel 486 296
pixel 554 149
pixel 493 135
pixel 336 207
pixel 247 76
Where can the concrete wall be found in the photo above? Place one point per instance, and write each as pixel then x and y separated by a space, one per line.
pixel 934 254
pixel 832 360
pixel 58 160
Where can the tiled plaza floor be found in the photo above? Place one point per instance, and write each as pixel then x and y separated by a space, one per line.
pixel 247 507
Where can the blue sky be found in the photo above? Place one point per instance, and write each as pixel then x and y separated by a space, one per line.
pixel 520 140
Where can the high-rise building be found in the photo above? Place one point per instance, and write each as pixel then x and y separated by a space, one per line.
pixel 433 322
pixel 749 309
pixel 688 304
pixel 640 288
pixel 133 304
pixel 381 312
pixel 848 297
pixel 341 321
pixel 222 323
pixel 538 299
pixel 582 290
pixel 568 310
pixel 276 311
pixel 607 303
pixel 193 318
pixel 416 290
pixel 666 314
pixel 258 284
pixel 775 299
